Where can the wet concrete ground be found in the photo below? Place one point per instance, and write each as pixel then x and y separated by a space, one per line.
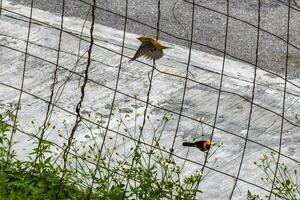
pixel 232 122
pixel 209 26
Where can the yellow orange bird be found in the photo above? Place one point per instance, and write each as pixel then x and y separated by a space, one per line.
pixel 150 48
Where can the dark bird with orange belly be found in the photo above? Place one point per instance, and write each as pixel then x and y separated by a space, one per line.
pixel 203 145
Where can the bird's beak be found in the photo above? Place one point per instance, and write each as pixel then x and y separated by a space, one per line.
pixel 163 47
pixel 141 38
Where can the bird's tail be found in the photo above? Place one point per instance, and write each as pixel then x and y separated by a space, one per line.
pixel 132 59
pixel 188 144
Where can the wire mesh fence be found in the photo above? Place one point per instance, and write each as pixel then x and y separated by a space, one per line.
pixel 93 105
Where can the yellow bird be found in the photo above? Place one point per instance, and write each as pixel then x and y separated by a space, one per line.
pixel 150 48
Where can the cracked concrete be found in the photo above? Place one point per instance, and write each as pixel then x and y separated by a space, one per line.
pixel 165 97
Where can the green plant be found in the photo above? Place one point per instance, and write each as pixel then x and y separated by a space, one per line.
pixel 286 185
pixel 139 165
pixel 26 179
pixel 136 171
pixel 251 196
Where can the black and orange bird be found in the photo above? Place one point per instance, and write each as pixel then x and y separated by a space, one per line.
pixel 150 48
pixel 203 145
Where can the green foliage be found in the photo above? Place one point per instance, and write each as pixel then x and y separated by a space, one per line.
pixel 140 172
pixel 286 185
pixel 26 179
pixel 19 183
pixel 251 196
pixel 5 154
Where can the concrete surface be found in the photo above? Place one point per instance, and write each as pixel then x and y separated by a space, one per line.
pixel 165 97
pixel 209 26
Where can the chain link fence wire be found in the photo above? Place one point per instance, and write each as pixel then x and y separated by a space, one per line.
pixel 85 57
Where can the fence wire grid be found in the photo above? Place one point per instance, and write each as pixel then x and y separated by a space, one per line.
pixel 156 28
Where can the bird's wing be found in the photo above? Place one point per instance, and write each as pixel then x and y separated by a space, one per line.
pixel 143 49
pixel 154 54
